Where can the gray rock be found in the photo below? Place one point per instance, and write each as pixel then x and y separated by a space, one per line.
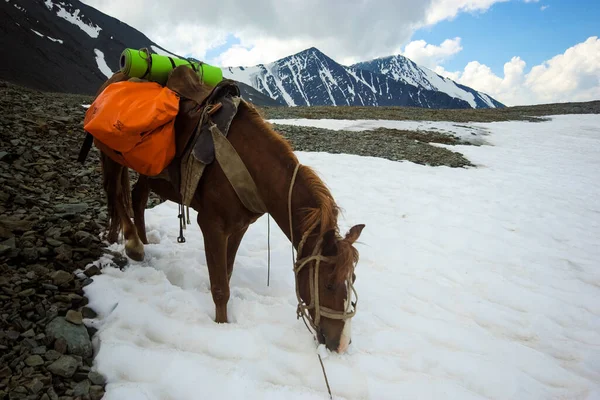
pixel 5 233
pixel 4 249
pixel 49 175
pixel 10 243
pixel 76 336
pixel 12 335
pixel 74 317
pixel 52 394
pixel 20 200
pixel 87 312
pixel 30 254
pixel 64 252
pixel 92 271
pixel 17 393
pixel 61 278
pixel 35 386
pixel 64 366
pixel 96 378
pixel 34 361
pixel 71 208
pixel 53 242
pixel 84 238
pixel 28 334
pixel 96 392
pixel 16 225
pixel 27 292
pixel 5 371
pixel 82 388
pixel 52 355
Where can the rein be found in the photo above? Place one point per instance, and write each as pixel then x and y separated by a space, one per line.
pixel 316 257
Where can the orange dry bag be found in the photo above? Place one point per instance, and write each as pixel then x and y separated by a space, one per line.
pixel 134 124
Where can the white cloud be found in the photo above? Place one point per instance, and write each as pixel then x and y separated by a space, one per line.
pixel 544 8
pixel 455 76
pixel 571 76
pixel 347 30
pixel 259 50
pixel 429 55
pixel 440 10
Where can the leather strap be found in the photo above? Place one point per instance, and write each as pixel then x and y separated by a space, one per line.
pixel 236 172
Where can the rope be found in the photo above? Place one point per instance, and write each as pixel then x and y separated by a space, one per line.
pixel 301 310
pixel 325 375
pixel 290 210
pixel 268 249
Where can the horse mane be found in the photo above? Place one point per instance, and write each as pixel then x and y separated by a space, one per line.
pixel 327 211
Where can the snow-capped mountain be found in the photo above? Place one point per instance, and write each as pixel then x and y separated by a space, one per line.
pixel 67 46
pixel 404 70
pixel 311 78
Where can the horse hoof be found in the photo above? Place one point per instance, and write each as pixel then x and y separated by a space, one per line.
pixel 135 255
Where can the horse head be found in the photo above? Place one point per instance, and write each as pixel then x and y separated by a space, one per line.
pixel 325 287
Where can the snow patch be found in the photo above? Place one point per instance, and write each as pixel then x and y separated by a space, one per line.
pixel 74 18
pixel 474 284
pixel 47 37
pixel 102 65
pixel 487 100
pixel 472 133
pixel 55 40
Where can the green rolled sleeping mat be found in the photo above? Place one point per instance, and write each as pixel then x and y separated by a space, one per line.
pixel 153 67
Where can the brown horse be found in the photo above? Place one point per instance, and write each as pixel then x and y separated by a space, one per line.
pixel 326 261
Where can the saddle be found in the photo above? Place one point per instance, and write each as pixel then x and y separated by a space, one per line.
pixel 201 126
pixel 199 110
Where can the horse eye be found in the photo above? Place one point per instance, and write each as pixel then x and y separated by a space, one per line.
pixel 329 286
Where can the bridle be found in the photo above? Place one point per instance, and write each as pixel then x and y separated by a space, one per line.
pixel 316 257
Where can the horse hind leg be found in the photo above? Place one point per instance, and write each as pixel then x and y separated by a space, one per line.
pixel 118 194
pixel 134 248
pixel 139 195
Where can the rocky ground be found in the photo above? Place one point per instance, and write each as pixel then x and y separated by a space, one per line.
pixel 52 215
pixel 527 113
pixel 392 144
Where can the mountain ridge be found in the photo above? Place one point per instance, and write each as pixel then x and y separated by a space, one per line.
pixel 310 77
pixel 70 47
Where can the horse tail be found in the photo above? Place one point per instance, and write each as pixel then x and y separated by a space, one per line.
pixel 117 187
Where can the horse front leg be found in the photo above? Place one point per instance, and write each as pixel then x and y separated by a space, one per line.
pixel 139 198
pixel 215 247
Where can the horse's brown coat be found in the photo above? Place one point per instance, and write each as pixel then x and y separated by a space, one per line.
pixel 224 220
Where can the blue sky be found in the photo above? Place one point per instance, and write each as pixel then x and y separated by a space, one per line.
pixel 517 29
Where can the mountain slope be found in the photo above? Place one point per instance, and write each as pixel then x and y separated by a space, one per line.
pixel 311 78
pixel 67 46
pixel 404 70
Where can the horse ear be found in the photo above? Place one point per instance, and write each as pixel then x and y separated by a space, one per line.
pixel 354 233
pixel 329 243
